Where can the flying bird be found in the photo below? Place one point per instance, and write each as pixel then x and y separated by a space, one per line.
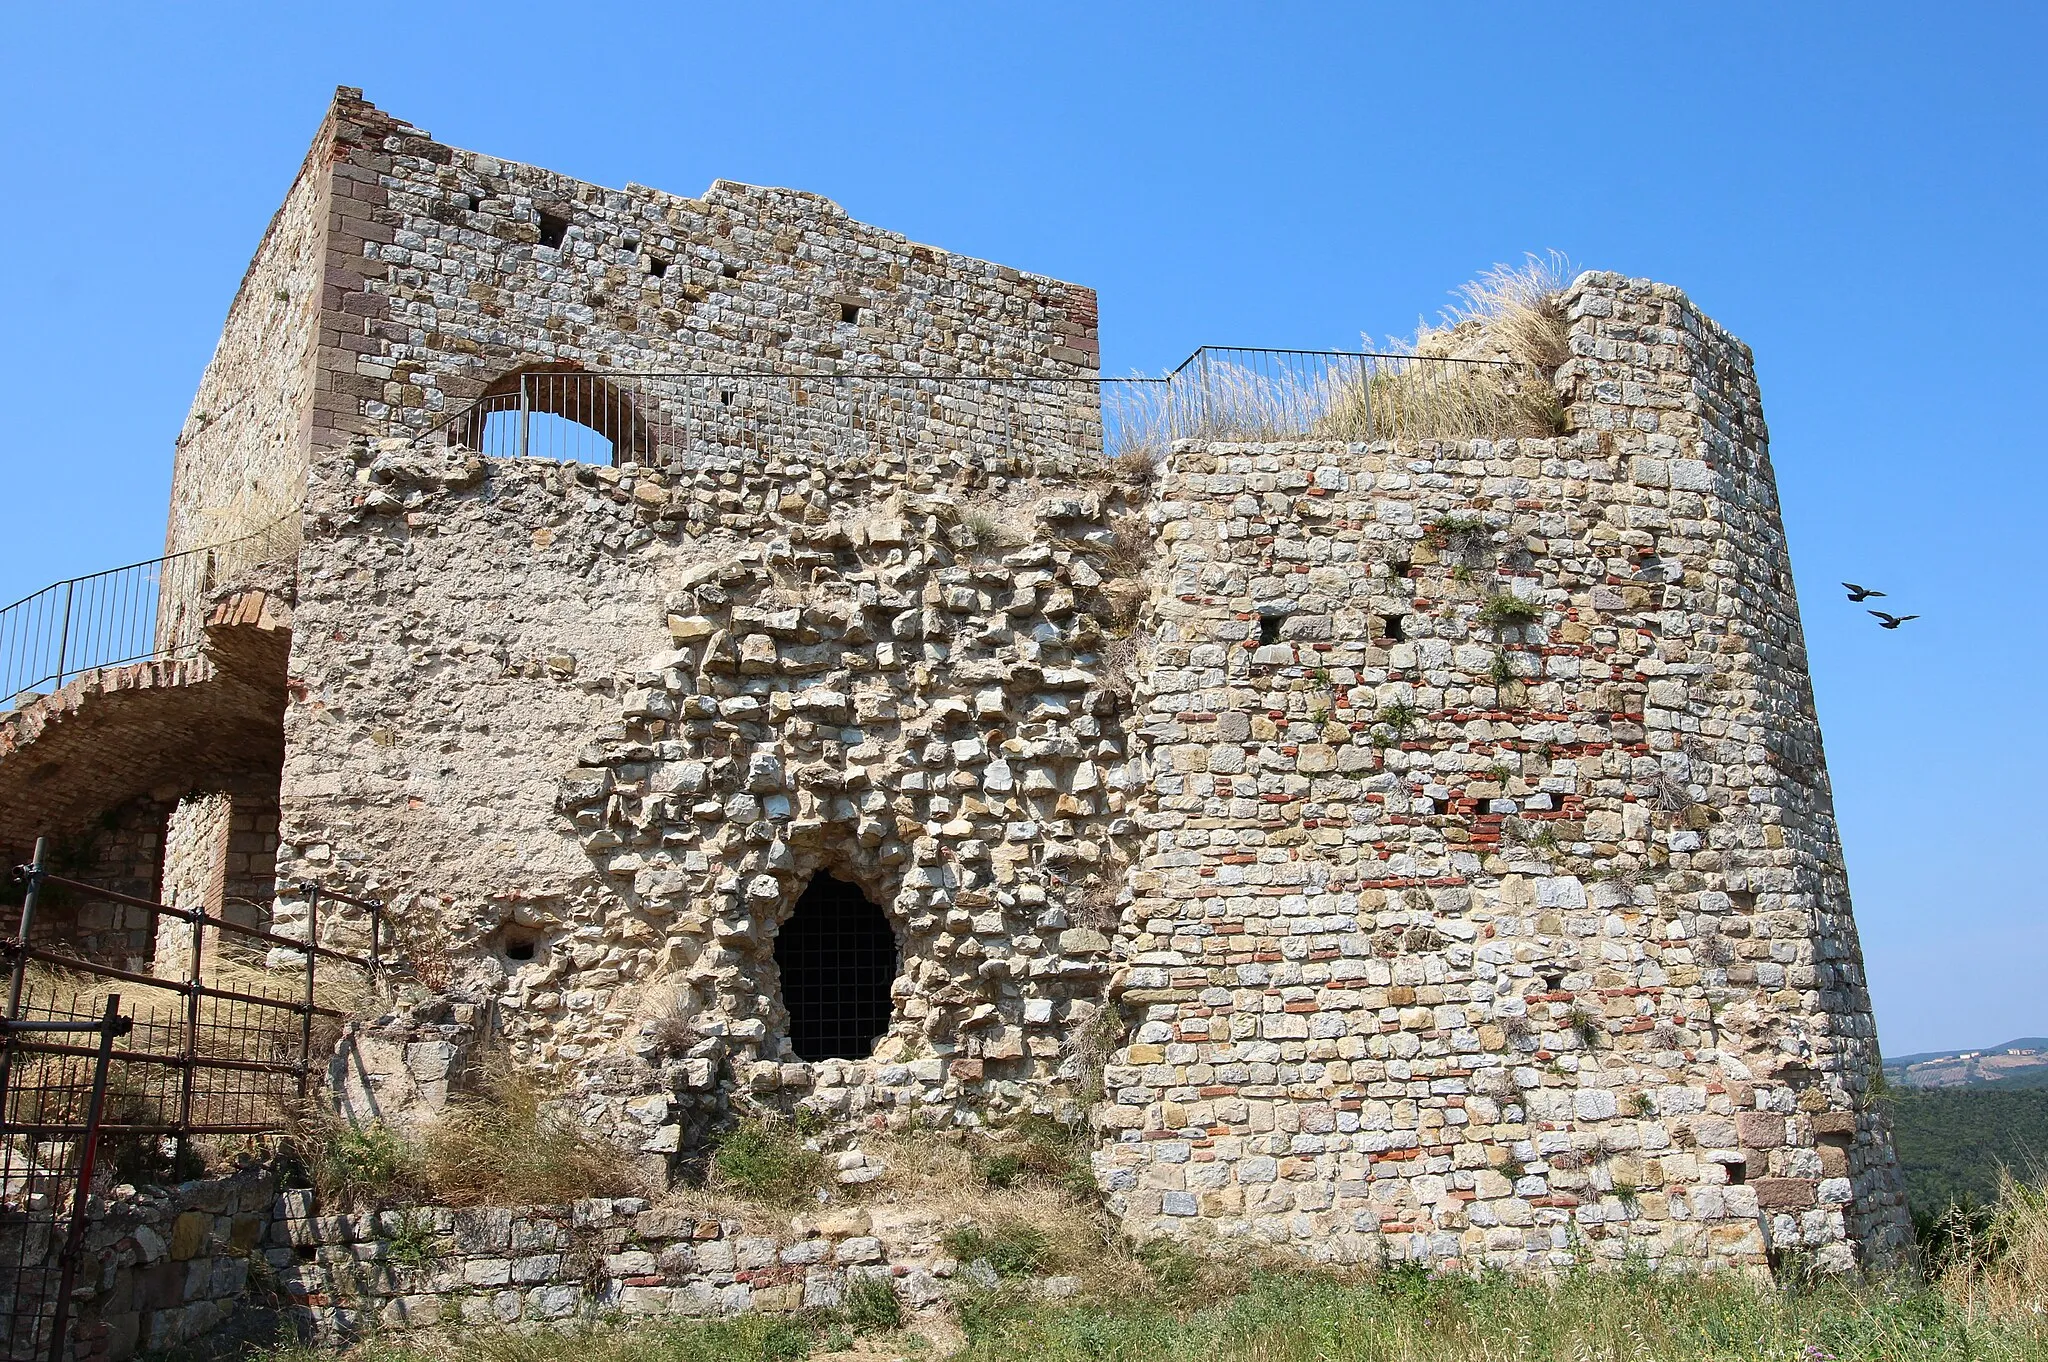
pixel 1860 593
pixel 1885 621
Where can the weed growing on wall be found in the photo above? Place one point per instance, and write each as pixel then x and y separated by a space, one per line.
pixel 766 1160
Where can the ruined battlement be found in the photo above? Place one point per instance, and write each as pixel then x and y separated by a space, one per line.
pixel 1388 809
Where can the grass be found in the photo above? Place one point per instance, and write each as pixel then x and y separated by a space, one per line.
pixel 1176 1305
pixel 767 1161
pixel 1399 716
pixel 507 1145
pixel 1984 1297
pixel 1485 373
pixel 1503 611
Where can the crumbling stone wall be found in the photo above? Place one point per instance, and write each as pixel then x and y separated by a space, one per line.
pixel 549 703
pixel 1482 916
pixel 241 456
pixel 402 276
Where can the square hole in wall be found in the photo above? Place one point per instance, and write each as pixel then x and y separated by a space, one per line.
pixel 1738 1173
pixel 1269 628
pixel 729 270
pixel 554 229
pixel 657 267
pixel 1393 626
pixel 1441 805
pixel 849 314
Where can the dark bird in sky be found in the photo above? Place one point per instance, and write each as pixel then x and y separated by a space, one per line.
pixel 1860 593
pixel 1885 621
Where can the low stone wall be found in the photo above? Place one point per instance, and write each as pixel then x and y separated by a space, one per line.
pixel 165 1265
pixel 434 1268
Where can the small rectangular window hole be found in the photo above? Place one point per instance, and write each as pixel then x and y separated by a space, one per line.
pixel 553 229
pixel 1395 632
pixel 657 267
pixel 1738 1173
pixel 849 314
pixel 1269 628
pixel 1441 805
pixel 729 270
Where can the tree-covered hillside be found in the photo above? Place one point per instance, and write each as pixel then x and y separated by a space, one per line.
pixel 1952 1141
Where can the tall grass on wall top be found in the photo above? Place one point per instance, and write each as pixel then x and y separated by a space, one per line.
pixel 1486 373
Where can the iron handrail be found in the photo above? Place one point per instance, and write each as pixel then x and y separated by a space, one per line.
pixel 149 610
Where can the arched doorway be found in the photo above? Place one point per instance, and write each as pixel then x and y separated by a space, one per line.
pixel 837 958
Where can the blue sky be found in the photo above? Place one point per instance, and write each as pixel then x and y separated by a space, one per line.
pixel 1858 193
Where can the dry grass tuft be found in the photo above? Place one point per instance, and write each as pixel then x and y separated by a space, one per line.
pixel 1999 1267
pixel 1520 308
pixel 1024 1190
pixel 509 1145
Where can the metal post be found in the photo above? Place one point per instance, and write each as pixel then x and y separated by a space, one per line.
pixel 37 867
pixel 64 629
pixel 191 1055
pixel 34 872
pixel 376 935
pixel 111 1025
pixel 525 412
pixel 306 1017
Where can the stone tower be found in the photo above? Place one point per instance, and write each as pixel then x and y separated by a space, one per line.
pixel 1491 906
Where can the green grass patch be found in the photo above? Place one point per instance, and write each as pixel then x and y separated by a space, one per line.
pixel 768 1162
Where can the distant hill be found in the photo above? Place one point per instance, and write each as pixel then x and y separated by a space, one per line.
pixel 2021 1063
pixel 1952 1141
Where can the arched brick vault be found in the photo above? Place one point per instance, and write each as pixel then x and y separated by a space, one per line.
pixel 113 735
pixel 99 765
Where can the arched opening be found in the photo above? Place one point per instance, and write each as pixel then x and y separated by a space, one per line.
pixel 837 958
pixel 557 412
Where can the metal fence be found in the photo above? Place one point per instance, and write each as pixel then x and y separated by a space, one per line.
pixel 45 1182
pixel 682 419
pixel 149 611
pixel 222 1040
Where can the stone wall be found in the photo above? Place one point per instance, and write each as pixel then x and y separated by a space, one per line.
pixel 241 456
pixel 459 284
pixel 1491 910
pixel 401 277
pixel 576 709
pixel 558 1266
pixel 161 1266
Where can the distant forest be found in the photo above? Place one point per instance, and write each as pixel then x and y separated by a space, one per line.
pixel 1952 1141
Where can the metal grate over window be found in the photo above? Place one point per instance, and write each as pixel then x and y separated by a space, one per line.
pixel 837 956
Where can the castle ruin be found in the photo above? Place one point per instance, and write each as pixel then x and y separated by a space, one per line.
pixel 1392 845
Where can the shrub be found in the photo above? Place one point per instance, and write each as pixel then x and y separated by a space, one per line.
pixel 1446 528
pixel 767 1161
pixel 1013 1250
pixel 368 1163
pixel 1503 611
pixel 412 1243
pixel 871 1305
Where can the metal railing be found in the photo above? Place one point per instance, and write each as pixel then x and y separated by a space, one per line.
pixel 46 1184
pixel 687 418
pixel 201 1051
pixel 223 1034
pixel 156 610
pixel 149 611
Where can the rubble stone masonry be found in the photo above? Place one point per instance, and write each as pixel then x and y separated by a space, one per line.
pixel 1491 907
pixel 1415 849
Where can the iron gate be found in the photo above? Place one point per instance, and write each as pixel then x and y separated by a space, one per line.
pixel 222 1045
